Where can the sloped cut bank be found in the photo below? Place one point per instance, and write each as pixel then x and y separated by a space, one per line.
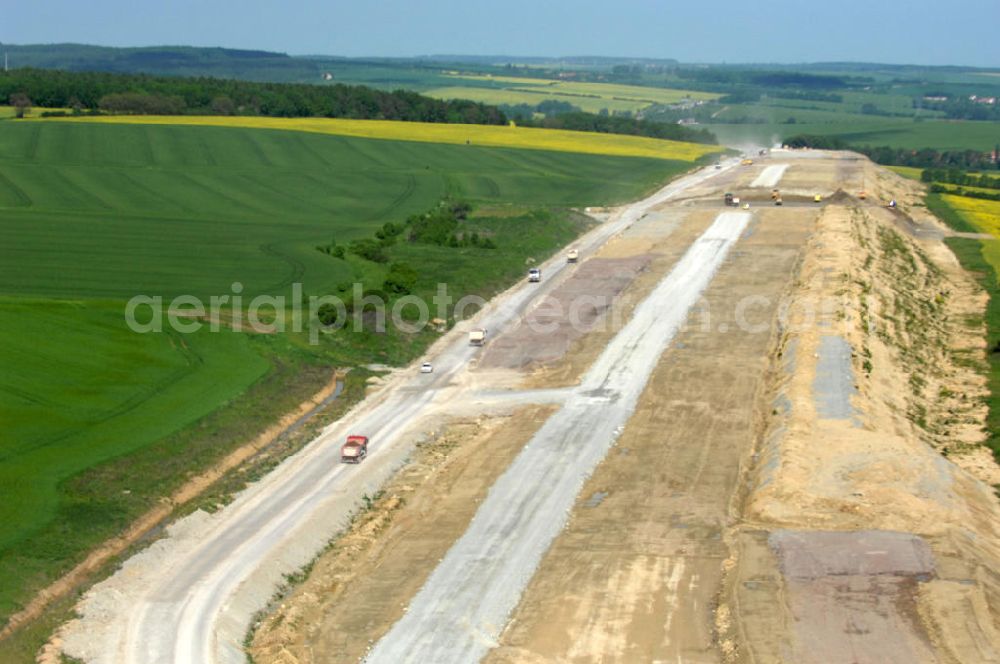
pixel 860 535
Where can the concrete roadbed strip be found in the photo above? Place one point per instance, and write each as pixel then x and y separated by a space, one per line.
pixel 460 612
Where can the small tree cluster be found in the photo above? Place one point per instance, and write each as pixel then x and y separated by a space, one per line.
pixel 401 279
pixel 959 177
pixel 332 249
pixel 442 226
pixel 21 104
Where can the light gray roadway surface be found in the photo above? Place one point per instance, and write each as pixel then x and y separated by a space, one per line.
pixel 191 597
pixel 459 613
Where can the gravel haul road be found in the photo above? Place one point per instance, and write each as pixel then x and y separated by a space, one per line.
pixel 458 615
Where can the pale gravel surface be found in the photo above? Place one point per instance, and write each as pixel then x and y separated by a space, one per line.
pixel 191 597
pixel 770 176
pixel 833 385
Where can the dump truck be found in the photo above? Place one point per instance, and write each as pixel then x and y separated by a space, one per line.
pixel 778 201
pixel 354 450
pixel 534 275
pixel 775 194
pixel 573 256
pixel 862 195
pixel 817 199
pixel 477 337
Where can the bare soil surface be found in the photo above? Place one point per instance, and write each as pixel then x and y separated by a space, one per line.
pixel 660 239
pixel 359 588
pixel 635 574
pixel 572 310
pixel 883 500
pixel 780 492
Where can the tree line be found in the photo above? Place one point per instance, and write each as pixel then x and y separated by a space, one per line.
pixel 720 76
pixel 141 94
pixel 972 160
pixel 144 94
pixel 963 108
pixel 959 177
pixel 937 188
pixel 616 124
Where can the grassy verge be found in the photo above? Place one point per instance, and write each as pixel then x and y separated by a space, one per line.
pixel 970 254
pixel 222 492
pixel 907 171
pixel 940 209
pixel 23 645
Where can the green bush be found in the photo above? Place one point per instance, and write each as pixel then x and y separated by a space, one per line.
pixel 401 279
pixel 370 250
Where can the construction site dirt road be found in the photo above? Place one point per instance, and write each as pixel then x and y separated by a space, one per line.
pixel 658 503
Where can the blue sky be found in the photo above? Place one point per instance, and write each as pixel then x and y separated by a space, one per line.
pixel 961 32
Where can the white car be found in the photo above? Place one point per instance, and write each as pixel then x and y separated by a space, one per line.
pixel 426 368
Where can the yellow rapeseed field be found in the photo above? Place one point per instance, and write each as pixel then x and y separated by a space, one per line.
pixel 983 214
pixel 517 80
pixel 481 135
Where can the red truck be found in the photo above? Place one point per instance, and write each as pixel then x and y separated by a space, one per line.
pixel 354 450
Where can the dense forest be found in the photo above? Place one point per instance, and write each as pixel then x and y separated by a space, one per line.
pixel 138 93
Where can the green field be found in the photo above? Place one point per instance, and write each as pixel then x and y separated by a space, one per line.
pixel 533 97
pixel 863 130
pixel 907 171
pixel 100 421
pixel 110 211
pixel 80 388
pixel 588 97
